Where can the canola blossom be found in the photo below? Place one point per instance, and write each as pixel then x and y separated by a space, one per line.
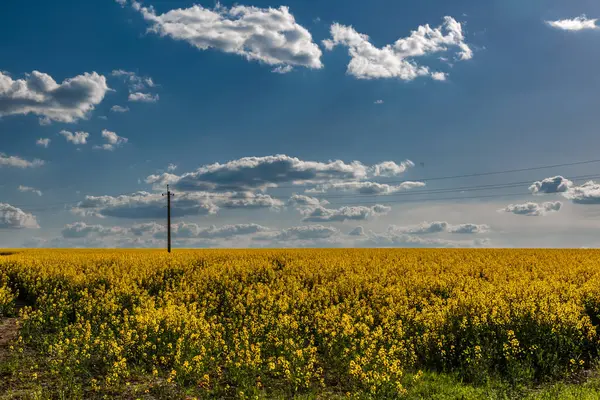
pixel 238 323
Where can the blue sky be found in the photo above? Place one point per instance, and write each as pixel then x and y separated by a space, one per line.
pixel 498 85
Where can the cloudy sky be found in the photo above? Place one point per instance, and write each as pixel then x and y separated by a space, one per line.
pixel 300 123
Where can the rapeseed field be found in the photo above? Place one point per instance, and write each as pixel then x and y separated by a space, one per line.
pixel 295 323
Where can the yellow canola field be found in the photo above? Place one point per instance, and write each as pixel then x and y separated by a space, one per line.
pixel 231 321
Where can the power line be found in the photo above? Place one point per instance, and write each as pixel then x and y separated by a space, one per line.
pixel 437 199
pixel 412 193
pixel 448 190
pixel 364 195
pixel 508 171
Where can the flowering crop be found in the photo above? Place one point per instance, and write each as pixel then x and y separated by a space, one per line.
pixel 243 322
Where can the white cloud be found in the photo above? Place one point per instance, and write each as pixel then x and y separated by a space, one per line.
pixel 113 140
pixel 355 213
pixel 367 187
pixel 246 200
pixel 212 232
pixel 171 167
pixel 143 97
pixel 439 76
pixel 574 24
pixel 24 189
pixel 142 205
pixel 556 184
pixel 469 228
pixel 41 95
pixel 588 193
pixel 310 232
pixel 267 35
pixel 394 239
pixel 75 138
pixel 183 230
pixel 18 162
pixel 135 82
pixel 282 69
pixel 43 142
pixel 533 209
pixel 119 109
pixel 379 101
pixel 122 3
pixel 15 218
pixel 397 60
pixel 439 227
pixel 138 88
pixel 390 168
pixel 299 200
pixel 150 228
pixel 80 230
pixel 358 231
pixel 251 173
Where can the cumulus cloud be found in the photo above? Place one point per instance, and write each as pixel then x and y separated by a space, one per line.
pixel 213 232
pixel 367 187
pixel 25 189
pixel 556 184
pixel 134 81
pixel 300 201
pixel 247 200
pixel 303 233
pixel 143 97
pixel 150 228
pixel 397 60
pixel 355 213
pixel 395 239
pixel 533 209
pixel 260 173
pixel 358 231
pixel 390 169
pixel 139 87
pixel 194 231
pixel 43 142
pixel 282 69
pixel 588 193
pixel 469 228
pixel 439 227
pixel 15 218
pixel 113 140
pixel 119 109
pixel 252 173
pixel 171 167
pixel 18 162
pixel 41 95
pixel 142 205
pixel 75 138
pixel 268 35
pixel 574 24
pixel 379 101
pixel 439 76
pixel 81 230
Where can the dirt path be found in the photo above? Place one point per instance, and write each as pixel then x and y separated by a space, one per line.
pixel 8 332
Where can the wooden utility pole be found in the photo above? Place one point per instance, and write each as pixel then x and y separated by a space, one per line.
pixel 168 194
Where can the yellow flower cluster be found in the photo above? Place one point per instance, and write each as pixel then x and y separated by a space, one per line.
pixel 7 300
pixel 244 321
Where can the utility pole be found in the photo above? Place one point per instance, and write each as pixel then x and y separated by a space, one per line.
pixel 168 194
